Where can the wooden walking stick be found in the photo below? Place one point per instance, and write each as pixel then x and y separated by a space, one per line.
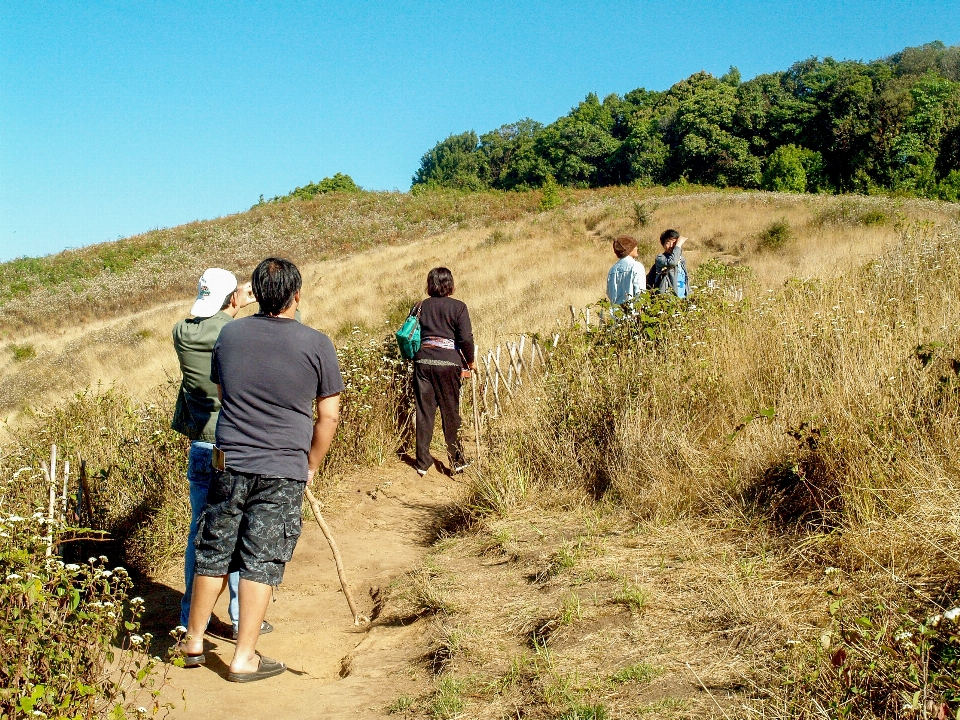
pixel 358 619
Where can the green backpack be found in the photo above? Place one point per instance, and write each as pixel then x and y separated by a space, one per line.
pixel 408 336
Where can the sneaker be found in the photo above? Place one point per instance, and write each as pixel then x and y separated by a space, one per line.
pixel 265 628
pixel 457 469
pixel 420 472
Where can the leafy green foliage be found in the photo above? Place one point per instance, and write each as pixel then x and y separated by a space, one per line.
pixel 775 235
pixel 23 352
pixel 821 125
pixel 551 194
pixel 881 661
pixel 338 183
pixel 639 673
pixel 71 647
pixel 453 163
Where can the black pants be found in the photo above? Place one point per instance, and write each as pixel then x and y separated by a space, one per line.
pixel 437 386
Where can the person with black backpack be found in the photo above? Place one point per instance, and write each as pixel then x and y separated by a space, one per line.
pixel 669 271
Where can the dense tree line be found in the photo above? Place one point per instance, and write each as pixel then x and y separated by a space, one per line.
pixel 820 126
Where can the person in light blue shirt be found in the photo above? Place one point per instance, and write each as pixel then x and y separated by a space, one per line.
pixel 626 278
pixel 670 268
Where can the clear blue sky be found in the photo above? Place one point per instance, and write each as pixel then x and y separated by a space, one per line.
pixel 118 117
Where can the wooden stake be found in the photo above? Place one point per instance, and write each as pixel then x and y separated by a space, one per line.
pixel 358 619
pixel 512 347
pixel 476 414
pixel 85 492
pixel 66 487
pixel 500 373
pixel 53 499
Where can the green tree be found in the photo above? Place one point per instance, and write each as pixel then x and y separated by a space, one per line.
pixel 703 147
pixel 576 146
pixel 510 157
pixel 454 163
pixel 784 171
pixel 641 158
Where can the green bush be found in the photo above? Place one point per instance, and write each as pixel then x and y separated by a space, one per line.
pixel 775 235
pixel 881 661
pixel 70 647
pixel 376 410
pixel 550 197
pixel 784 171
pixel 643 213
pixel 136 466
pixel 338 183
pixel 23 352
pixel 949 187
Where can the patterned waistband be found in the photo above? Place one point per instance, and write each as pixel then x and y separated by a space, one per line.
pixel 442 343
pixel 441 363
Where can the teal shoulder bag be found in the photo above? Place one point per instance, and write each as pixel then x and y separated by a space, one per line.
pixel 408 336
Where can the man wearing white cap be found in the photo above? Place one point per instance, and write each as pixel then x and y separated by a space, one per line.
pixel 198 406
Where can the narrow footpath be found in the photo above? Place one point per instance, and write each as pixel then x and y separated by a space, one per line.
pixel 383 521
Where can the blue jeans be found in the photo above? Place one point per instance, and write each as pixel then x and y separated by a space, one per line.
pixel 200 473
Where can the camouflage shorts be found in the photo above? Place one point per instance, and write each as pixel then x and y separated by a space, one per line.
pixel 251 523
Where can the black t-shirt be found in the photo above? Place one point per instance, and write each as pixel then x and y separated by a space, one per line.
pixel 270 370
pixel 448 318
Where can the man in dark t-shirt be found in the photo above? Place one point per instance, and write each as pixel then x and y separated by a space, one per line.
pixel 270 371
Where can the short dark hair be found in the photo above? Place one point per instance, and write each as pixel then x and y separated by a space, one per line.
pixel 275 281
pixel 439 282
pixel 668 235
pixel 226 302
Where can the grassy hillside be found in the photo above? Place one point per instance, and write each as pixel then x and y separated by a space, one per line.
pixel 757 497
pixel 114 279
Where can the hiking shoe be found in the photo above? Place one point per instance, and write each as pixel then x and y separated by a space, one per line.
pixel 265 628
pixel 420 472
pixel 457 469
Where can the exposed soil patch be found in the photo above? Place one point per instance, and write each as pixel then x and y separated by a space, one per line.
pixel 335 669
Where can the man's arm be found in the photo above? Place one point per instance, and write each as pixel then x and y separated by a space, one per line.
pixel 328 417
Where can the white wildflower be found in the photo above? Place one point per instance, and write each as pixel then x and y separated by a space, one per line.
pixel 831 571
pixel 136 601
pixel 180 629
pixel 72 566
pixel 136 640
pixel 903 635
pixel 13 576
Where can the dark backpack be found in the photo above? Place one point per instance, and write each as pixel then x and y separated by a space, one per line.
pixel 653 277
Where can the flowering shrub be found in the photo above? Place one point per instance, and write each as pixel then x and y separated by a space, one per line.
pixel 70 647
pixel 376 407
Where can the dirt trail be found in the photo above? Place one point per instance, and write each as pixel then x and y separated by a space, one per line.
pixel 383 525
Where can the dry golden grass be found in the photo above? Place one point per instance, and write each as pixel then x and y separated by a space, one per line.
pixel 645 506
pixel 517 274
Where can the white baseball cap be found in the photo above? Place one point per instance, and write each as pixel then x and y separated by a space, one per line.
pixel 215 286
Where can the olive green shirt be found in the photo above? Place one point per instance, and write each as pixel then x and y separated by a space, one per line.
pixel 198 405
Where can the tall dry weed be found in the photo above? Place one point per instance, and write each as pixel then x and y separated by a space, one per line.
pixel 826 411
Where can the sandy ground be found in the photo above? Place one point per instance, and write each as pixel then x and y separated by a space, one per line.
pixel 335 669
